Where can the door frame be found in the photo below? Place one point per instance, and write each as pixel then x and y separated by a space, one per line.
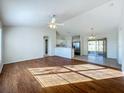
pixel 104 48
pixel 44 46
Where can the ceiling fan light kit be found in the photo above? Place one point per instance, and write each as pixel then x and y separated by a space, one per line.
pixel 52 26
pixel 92 36
pixel 52 23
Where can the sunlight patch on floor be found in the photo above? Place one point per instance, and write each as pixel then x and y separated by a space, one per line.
pixel 102 74
pixel 50 80
pixel 68 74
pixel 60 79
pixel 83 67
pixel 47 70
pixel 73 77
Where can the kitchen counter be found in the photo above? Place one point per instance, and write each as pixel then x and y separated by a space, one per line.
pixel 64 52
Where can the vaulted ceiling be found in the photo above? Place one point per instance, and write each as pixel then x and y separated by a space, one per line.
pixel 100 20
pixel 78 16
pixel 38 12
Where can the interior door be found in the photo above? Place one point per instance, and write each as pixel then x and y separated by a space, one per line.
pixel 46 45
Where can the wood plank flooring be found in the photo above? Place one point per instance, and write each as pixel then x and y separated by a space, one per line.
pixel 60 75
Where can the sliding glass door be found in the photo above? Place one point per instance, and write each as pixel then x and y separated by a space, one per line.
pixel 97 47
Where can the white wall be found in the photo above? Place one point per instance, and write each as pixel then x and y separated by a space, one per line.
pixel 121 45
pixel 1 64
pixel 121 38
pixel 112 44
pixel 121 48
pixel 25 43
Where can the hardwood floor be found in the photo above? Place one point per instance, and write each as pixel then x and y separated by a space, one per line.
pixel 60 75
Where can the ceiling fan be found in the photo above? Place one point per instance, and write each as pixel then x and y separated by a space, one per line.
pixel 53 24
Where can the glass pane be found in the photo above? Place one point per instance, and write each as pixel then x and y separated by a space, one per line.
pixel 92 46
pixel 101 46
pixel 76 45
pixel 97 47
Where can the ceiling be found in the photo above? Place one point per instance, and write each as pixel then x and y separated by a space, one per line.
pixel 100 20
pixel 38 12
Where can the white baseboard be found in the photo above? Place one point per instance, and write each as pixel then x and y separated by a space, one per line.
pixel 21 60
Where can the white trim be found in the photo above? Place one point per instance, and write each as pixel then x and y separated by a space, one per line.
pixel 22 60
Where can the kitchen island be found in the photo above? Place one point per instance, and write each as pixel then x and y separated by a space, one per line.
pixel 64 52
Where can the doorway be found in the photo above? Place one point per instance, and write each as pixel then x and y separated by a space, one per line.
pixel 97 47
pixel 76 47
pixel 46 44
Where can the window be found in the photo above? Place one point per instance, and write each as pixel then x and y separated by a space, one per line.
pixel 97 47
